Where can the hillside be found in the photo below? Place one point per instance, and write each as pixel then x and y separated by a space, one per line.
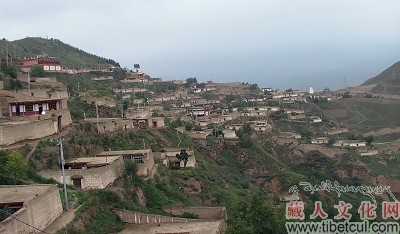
pixel 390 76
pixel 69 56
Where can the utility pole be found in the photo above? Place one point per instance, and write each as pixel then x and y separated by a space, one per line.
pixel 60 143
pixel 78 89
pixel 97 118
pixel 29 83
pixel 7 54
pixel 122 110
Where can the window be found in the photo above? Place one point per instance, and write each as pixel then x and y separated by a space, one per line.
pixel 28 108
pixel 139 158
pixel 53 106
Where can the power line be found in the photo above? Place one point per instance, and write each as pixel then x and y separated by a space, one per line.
pixel 28 224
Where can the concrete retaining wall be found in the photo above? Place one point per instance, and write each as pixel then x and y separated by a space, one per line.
pixel 26 128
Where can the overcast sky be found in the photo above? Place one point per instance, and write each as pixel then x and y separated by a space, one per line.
pixel 269 42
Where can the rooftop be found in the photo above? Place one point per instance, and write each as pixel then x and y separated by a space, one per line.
pixel 122 152
pixel 21 193
pixel 94 161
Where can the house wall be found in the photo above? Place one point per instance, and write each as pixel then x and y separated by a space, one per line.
pixel 99 177
pixel 39 212
pixel 144 169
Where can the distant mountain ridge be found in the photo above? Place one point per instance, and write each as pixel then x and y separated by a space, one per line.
pixel 390 76
pixel 68 55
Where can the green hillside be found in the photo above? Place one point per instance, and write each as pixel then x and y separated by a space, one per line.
pixel 68 55
pixel 390 76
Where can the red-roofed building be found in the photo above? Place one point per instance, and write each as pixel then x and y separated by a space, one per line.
pixel 49 64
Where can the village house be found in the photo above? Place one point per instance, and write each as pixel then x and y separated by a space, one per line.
pixel 369 152
pixel 294 111
pixel 315 119
pixel 49 64
pixel 229 134
pixel 260 126
pixel 34 118
pixel 89 172
pixel 102 78
pixel 144 159
pixel 350 143
pixel 234 126
pixel 35 106
pixel 37 204
pixel 290 135
pixel 169 159
pixel 319 140
pixel 199 110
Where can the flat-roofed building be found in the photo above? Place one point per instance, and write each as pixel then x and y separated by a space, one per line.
pixel 168 157
pixel 37 205
pixel 143 158
pixel 89 172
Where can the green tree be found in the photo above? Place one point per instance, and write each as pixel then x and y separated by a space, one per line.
pixel 188 126
pixel 136 66
pixel 37 71
pixel 197 127
pixel 190 82
pixel 183 156
pixel 369 139
pixel 16 166
pixel 256 216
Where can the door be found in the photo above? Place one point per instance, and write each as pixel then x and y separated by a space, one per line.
pixel 18 110
pixel 40 109
pixel 77 182
pixel 59 123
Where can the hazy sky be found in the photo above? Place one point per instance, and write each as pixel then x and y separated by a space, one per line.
pixel 269 42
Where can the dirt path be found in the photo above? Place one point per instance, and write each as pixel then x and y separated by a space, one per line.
pixel 61 221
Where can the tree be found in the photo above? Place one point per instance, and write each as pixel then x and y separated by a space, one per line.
pixel 369 139
pixel 136 66
pixel 197 127
pixel 37 71
pixel 183 156
pixel 256 216
pixel 188 126
pixel 16 166
pixel 190 82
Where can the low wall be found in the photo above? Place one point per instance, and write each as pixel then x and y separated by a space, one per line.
pixel 142 218
pixel 40 212
pixel 213 213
